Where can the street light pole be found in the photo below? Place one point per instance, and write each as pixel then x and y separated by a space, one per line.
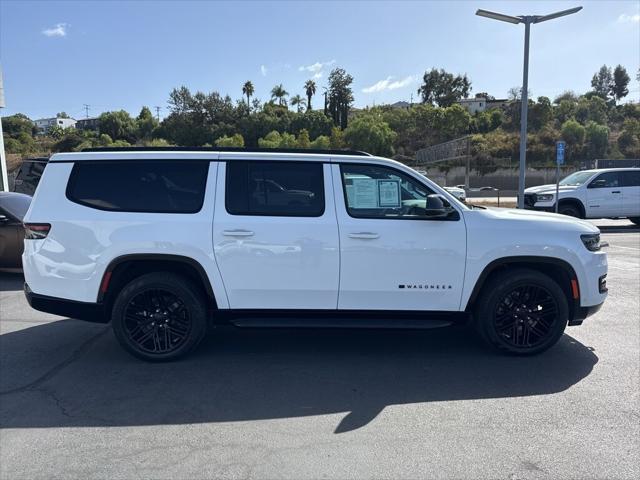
pixel 528 20
pixel 524 112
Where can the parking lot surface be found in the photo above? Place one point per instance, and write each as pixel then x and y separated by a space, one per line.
pixel 325 404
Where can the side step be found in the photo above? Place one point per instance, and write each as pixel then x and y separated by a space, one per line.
pixel 253 319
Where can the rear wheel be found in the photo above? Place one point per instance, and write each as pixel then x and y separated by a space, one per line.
pixel 522 312
pixel 159 317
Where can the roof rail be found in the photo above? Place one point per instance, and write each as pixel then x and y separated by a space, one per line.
pixel 227 149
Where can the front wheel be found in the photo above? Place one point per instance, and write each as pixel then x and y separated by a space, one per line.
pixel 521 312
pixel 569 210
pixel 159 317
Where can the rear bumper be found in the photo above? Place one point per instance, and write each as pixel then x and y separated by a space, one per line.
pixel 90 312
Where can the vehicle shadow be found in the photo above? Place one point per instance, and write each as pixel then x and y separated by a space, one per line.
pixel 240 375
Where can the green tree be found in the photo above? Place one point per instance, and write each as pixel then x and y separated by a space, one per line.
pixel 321 143
pixel 303 139
pixel 591 109
pixel 565 111
pixel 602 81
pixel 118 125
pixel 234 141
pixel 573 133
pixel 314 121
pixel 146 123
pixel 371 134
pixel 566 95
pixel 14 125
pixel 247 89
pixel 299 102
pixel 340 96
pixel 597 139
pixel 310 91
pixel 453 122
pixel 278 92
pixel 62 115
pixel 336 140
pixel 443 88
pixel 620 83
pixel 540 113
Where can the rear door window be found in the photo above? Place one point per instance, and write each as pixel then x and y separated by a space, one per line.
pixel 631 178
pixel 288 189
pixel 154 186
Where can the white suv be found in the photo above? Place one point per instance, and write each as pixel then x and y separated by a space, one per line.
pixel 603 193
pixel 161 241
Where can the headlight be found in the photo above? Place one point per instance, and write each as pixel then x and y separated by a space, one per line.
pixel 591 241
pixel 546 197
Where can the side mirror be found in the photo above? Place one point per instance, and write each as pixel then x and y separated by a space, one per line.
pixel 437 207
pixel 598 183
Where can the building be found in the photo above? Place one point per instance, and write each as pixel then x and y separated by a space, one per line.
pixel 88 124
pixel 480 104
pixel 43 125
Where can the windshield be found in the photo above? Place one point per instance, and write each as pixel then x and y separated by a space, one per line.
pixel 576 179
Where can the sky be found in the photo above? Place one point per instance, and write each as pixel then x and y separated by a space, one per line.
pixel 58 56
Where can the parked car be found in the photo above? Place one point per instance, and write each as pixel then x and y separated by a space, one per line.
pixel 601 193
pixel 457 192
pixel 29 175
pixel 170 239
pixel 13 207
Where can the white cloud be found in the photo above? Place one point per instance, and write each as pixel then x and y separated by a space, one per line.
pixel 316 68
pixel 626 18
pixel 58 30
pixel 263 70
pixel 389 84
pixel 317 75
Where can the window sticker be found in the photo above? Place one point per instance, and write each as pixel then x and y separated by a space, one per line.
pixel 363 194
pixel 389 193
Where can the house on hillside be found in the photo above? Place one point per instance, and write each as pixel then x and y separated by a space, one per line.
pixel 480 104
pixel 88 124
pixel 43 125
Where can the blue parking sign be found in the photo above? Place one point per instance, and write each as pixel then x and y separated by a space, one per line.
pixel 560 153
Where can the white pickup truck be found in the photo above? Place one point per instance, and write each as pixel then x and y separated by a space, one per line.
pixel 603 193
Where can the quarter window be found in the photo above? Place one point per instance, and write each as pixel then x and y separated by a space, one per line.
pixel 155 186
pixel 279 189
pixel 379 192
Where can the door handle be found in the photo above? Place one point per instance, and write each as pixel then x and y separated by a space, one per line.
pixel 364 235
pixel 237 233
pixel 616 191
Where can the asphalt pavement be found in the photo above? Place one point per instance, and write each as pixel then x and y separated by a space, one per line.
pixel 325 404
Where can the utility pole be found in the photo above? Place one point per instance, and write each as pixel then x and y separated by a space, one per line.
pixel 157 112
pixel 86 107
pixel 4 179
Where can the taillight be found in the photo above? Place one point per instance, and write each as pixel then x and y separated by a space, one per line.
pixel 36 231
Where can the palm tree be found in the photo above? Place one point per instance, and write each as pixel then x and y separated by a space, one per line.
pixel 310 88
pixel 299 101
pixel 279 92
pixel 247 89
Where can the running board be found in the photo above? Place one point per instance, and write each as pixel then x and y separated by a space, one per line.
pixel 336 322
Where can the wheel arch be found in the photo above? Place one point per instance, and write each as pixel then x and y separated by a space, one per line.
pixel 574 201
pixel 559 270
pixel 125 268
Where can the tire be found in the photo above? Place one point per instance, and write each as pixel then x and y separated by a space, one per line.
pixel 570 210
pixel 159 317
pixel 635 220
pixel 524 328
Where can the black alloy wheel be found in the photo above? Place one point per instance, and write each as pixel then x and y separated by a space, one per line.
pixel 521 311
pixel 159 316
pixel 157 321
pixel 525 316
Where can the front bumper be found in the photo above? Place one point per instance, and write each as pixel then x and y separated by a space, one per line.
pixel 581 313
pixel 90 312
